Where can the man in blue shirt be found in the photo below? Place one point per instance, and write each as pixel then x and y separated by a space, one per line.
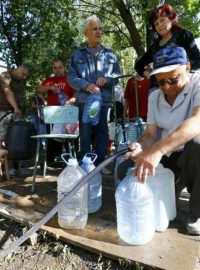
pixel 93 69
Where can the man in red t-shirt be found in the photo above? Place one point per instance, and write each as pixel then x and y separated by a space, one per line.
pixel 143 85
pixel 51 86
pixel 58 81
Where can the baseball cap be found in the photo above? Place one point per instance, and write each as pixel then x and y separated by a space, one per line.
pixel 168 59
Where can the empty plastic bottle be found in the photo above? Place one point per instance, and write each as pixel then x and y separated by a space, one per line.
pixel 92 109
pixel 135 211
pixel 62 97
pixel 73 214
pixel 94 185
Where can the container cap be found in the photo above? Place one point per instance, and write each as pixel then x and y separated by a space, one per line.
pixel 130 171
pixel 87 160
pixel 72 162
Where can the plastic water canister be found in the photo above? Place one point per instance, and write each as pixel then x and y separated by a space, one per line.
pixel 168 179
pixel 162 186
pixel 94 185
pixel 92 109
pixel 135 211
pixel 73 214
pixel 160 207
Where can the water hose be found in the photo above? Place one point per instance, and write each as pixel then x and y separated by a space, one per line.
pixel 13 246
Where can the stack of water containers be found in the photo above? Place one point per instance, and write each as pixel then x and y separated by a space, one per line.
pixel 74 213
pixel 94 185
pixel 143 208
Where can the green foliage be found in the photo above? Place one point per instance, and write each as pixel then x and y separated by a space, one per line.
pixel 36 32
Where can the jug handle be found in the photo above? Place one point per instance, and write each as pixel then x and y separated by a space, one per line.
pixel 66 154
pixel 92 155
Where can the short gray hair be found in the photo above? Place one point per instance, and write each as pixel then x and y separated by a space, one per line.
pixel 90 19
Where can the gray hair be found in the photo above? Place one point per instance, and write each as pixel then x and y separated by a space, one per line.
pixel 90 19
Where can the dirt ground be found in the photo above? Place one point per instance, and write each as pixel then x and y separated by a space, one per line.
pixel 49 253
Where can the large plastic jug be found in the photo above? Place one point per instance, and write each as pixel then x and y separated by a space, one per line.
pixel 135 211
pixel 162 186
pixel 94 185
pixel 160 206
pixel 73 214
pixel 92 109
pixel 168 180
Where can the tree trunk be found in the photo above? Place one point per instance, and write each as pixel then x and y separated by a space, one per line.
pixel 130 24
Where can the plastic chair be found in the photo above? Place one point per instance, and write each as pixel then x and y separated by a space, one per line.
pixel 55 115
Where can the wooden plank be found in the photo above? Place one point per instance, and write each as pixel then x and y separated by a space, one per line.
pixel 173 249
pixel 167 250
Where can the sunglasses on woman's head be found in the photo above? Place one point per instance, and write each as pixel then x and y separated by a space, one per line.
pixel 173 81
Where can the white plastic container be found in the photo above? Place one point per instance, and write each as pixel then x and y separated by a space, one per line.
pixel 135 211
pixel 168 180
pixel 73 214
pixel 162 186
pixel 95 185
pixel 160 207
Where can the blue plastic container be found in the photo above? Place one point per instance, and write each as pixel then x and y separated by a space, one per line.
pixel 92 109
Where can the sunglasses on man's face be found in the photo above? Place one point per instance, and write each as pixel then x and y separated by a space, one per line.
pixel 173 81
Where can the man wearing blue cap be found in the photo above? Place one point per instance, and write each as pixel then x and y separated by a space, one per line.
pixel 172 136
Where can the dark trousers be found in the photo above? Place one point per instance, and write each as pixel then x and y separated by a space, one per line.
pixel 100 135
pixel 189 166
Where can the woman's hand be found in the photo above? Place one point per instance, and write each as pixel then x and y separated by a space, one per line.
pixel 147 71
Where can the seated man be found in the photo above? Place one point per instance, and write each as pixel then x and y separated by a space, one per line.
pixel 172 136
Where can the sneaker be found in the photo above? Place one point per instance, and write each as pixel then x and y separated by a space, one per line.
pixel 193 225
pixel 105 171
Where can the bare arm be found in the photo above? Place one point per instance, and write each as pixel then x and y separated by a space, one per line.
pixel 11 99
pixel 44 89
pixel 148 159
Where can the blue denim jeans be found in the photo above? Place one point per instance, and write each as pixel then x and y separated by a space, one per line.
pixel 100 133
